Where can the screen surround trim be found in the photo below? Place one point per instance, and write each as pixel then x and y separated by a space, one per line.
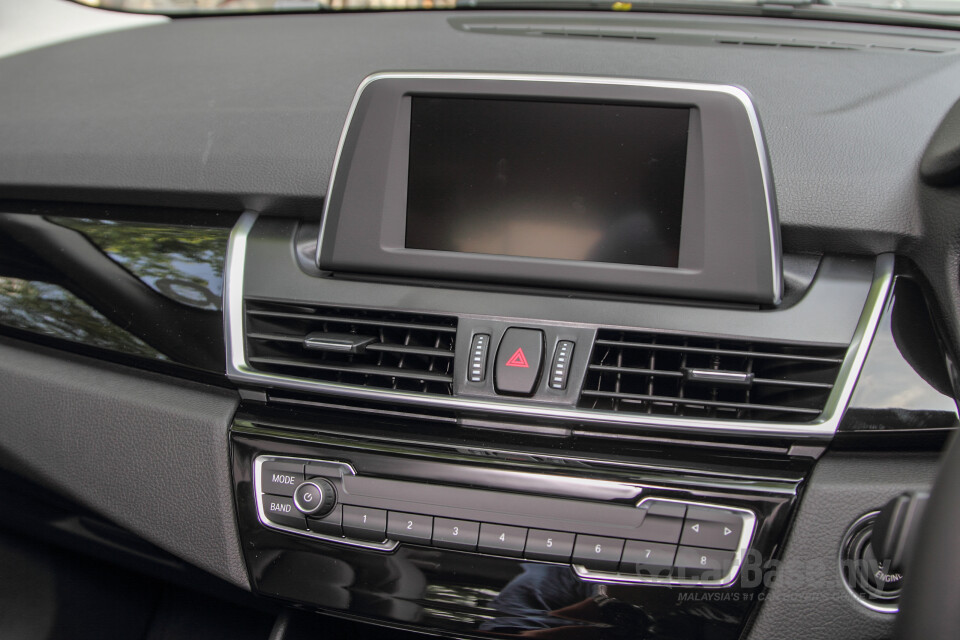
pixel 364 218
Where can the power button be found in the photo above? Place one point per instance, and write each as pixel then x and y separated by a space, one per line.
pixel 315 497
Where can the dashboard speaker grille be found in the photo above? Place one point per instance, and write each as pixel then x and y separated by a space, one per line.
pixel 701 377
pixel 381 349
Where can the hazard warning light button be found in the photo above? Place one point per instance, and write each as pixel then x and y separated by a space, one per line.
pixel 518 361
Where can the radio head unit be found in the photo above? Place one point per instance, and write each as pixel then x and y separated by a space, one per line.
pixel 581 183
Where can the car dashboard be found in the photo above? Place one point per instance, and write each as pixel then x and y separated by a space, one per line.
pixel 234 358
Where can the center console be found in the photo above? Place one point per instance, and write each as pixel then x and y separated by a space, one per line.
pixel 541 368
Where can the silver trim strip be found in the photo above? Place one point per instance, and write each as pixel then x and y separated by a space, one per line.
pixel 743 545
pixel 386 545
pixel 742 96
pixel 825 427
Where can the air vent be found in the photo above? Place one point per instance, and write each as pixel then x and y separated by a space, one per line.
pixel 793 43
pixel 681 33
pixel 381 349
pixel 657 374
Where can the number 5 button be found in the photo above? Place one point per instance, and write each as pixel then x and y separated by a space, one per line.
pixel 455 534
pixel 549 545
pixel 600 554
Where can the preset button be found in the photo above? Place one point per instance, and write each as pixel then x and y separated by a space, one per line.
pixel 455 534
pixel 552 546
pixel 600 554
pixel 502 540
pixel 409 527
pixel 647 558
pixel 364 523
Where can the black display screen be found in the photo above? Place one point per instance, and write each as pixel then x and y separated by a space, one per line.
pixel 571 181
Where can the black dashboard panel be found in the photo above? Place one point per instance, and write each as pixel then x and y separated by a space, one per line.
pixel 242 115
pixel 842 182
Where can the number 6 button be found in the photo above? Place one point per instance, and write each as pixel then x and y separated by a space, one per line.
pixel 599 554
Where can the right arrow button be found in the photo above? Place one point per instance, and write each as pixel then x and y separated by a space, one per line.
pixel 711 528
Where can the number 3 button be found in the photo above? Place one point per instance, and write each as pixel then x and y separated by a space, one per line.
pixel 455 534
pixel 409 527
pixel 600 554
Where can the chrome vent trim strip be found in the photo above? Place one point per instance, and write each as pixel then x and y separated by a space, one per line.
pixel 824 427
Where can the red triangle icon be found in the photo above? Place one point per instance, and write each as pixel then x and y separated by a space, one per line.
pixel 518 360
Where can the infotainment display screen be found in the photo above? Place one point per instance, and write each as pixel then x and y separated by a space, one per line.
pixel 582 181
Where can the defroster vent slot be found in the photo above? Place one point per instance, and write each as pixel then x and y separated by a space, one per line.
pixel 391 350
pixel 659 374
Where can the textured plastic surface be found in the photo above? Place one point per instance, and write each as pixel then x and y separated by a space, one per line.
pixel 931 592
pixel 257 126
pixel 147 453
pixel 807 600
pixel 940 165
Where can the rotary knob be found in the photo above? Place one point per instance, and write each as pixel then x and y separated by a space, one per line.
pixel 315 497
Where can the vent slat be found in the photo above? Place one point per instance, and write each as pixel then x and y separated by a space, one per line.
pixel 392 372
pixel 403 351
pixel 634 370
pixel 639 372
pixel 405 348
pixel 367 321
pixel 794 383
pixel 275 337
pixel 639 397
pixel 722 352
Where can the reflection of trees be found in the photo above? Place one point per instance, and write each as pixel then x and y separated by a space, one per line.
pixel 195 255
pixel 48 309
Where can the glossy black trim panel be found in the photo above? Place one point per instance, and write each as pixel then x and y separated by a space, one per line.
pixel 904 385
pixel 474 595
pixel 142 288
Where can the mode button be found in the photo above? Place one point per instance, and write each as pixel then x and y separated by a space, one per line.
pixel 280 478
